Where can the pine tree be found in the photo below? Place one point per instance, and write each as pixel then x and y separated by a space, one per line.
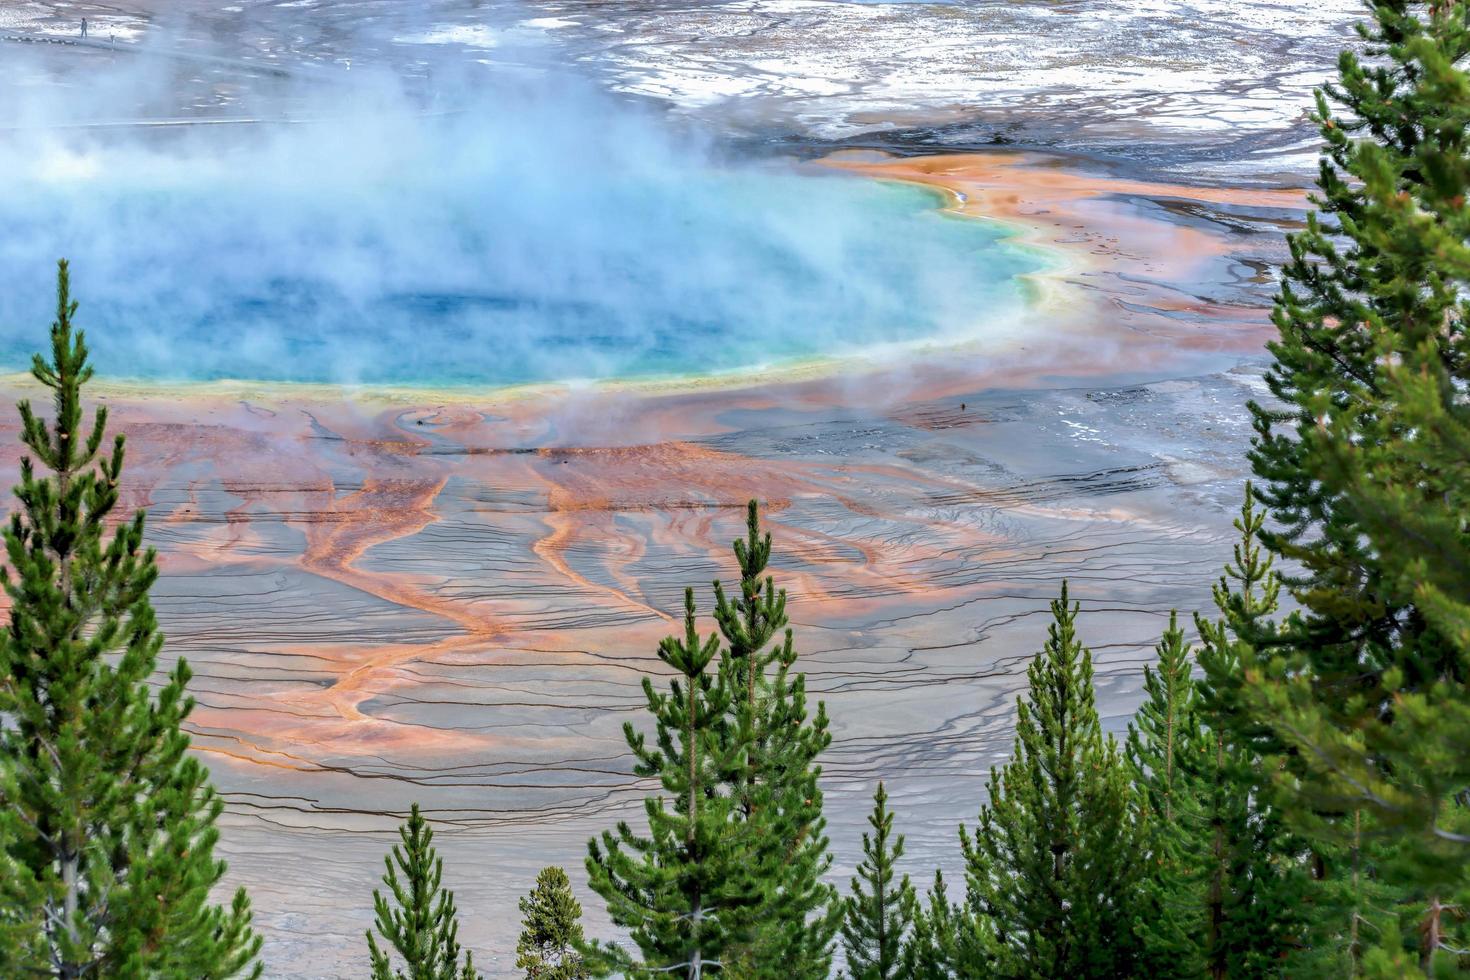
pixel 109 824
pixel 1051 866
pixel 551 930
pixel 1365 687
pixel 1406 483
pixel 417 917
pixel 1166 745
pixel 880 910
pixel 683 890
pixel 928 951
pixel 1255 879
pixel 1361 272
pixel 1107 868
pixel 947 942
pixel 926 954
pixel 775 782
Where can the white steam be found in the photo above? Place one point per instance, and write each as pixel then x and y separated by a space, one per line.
pixel 522 227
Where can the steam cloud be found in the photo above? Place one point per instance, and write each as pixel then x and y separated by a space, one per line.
pixel 516 228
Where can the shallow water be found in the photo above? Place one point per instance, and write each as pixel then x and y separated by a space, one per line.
pixel 403 264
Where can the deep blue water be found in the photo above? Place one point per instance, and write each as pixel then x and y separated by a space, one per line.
pixel 443 269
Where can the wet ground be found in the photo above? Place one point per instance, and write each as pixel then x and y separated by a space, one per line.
pixel 379 611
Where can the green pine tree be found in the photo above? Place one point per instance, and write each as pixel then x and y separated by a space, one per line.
pixel 417 917
pixel 1052 865
pixel 109 823
pixel 775 782
pixel 1255 872
pixel 551 930
pixel 1406 483
pixel 682 891
pixel 1364 688
pixel 928 951
pixel 1166 745
pixel 946 943
pixel 1350 279
pixel 880 910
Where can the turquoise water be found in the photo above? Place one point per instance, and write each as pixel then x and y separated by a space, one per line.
pixel 287 271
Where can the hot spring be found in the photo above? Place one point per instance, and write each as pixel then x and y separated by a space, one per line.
pixel 389 247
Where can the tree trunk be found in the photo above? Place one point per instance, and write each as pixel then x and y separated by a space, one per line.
pixel 696 960
pixel 1429 932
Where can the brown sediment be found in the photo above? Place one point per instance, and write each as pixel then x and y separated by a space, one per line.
pixel 1132 270
pixel 1018 182
pixel 1047 198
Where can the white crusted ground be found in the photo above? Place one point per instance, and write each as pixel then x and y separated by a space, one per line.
pixel 1205 88
pixel 1233 76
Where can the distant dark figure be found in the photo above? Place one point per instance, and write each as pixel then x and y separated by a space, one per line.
pixel 84 27
pixel 962 406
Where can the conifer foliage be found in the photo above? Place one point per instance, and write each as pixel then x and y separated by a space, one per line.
pixel 730 877
pixel 109 824
pixel 943 943
pixel 1165 750
pixel 1364 470
pixel 551 930
pixel 1362 464
pixel 880 909
pixel 1052 865
pixel 417 916
pixel 1225 882
pixel 775 779
pixel 683 890
pixel 1255 871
